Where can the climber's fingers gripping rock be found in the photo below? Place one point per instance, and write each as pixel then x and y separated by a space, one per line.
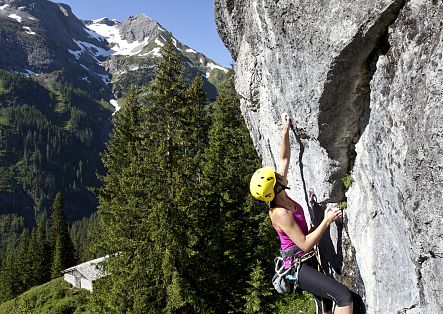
pixel 332 214
pixel 286 120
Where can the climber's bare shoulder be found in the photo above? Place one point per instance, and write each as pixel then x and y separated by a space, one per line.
pixel 281 218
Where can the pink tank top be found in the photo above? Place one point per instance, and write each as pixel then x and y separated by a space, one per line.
pixel 299 217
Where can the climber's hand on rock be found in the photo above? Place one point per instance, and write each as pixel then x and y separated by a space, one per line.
pixel 332 214
pixel 286 120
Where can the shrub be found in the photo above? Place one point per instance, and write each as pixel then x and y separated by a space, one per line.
pixel 347 181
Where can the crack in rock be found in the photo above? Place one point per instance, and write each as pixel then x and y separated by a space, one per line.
pixel 344 105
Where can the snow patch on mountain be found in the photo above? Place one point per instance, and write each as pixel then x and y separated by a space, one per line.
pixel 3 7
pixel 15 17
pixel 93 49
pixel 29 72
pixel 154 52
pixel 115 104
pixel 93 34
pixel 119 46
pixel 85 67
pixel 213 66
pixel 133 67
pixel 76 54
pixel 175 43
pixel 29 31
pixel 105 78
pixel 158 42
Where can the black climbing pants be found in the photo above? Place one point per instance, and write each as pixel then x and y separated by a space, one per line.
pixel 322 286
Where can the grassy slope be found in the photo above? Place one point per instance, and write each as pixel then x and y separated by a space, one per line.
pixel 54 297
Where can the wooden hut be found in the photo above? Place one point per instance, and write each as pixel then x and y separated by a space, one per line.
pixel 84 275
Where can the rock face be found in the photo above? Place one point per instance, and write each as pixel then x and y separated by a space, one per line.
pixel 363 83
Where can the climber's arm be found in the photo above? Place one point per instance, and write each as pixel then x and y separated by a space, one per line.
pixel 285 147
pixel 284 220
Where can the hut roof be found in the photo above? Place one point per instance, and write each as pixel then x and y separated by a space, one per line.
pixel 89 269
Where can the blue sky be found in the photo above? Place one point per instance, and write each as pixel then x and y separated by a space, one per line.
pixel 190 21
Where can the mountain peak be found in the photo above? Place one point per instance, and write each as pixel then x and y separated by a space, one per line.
pixel 139 28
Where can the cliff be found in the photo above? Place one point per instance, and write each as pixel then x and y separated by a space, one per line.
pixel 362 82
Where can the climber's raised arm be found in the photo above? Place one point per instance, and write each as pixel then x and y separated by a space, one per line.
pixel 285 147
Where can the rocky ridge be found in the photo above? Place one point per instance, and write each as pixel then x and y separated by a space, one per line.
pixel 134 48
pixel 363 83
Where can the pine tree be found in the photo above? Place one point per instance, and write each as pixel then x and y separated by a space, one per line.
pixel 9 287
pixel 258 291
pixel 121 216
pixel 23 262
pixel 178 137
pixel 34 259
pixel 57 260
pixel 197 126
pixel 84 234
pixel 143 209
pixel 235 230
pixel 42 255
pixel 59 232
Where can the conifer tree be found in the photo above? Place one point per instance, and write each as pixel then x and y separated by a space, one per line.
pixel 258 291
pixel 59 231
pixel 142 208
pixel 235 228
pixel 8 276
pixel 23 262
pixel 38 257
pixel 41 256
pixel 197 126
pixel 34 259
pixel 122 216
pixel 195 140
pixel 178 139
pixel 57 265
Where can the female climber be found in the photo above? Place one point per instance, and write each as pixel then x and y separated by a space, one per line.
pixel 288 220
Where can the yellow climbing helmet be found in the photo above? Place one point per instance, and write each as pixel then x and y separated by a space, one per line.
pixel 262 184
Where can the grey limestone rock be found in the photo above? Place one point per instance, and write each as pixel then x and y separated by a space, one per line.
pixel 363 83
pixel 139 28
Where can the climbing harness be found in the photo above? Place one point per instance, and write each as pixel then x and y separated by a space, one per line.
pixel 285 279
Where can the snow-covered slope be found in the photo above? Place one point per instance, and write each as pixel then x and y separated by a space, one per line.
pixel 133 50
pixel 111 34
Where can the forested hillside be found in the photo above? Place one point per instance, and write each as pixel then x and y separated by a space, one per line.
pixel 50 140
pixel 35 256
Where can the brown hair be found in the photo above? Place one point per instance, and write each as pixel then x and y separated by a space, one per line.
pixel 278 185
